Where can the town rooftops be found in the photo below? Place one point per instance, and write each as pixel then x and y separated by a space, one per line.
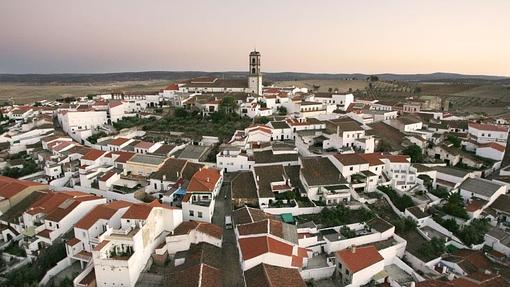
pixel 10 187
pixel 164 149
pixel 493 145
pixel 351 159
pixel 120 156
pixel 417 212
pixel 193 152
pixel 265 275
pixel 502 203
pixel 207 228
pixel 71 200
pixel 204 180
pixel 103 211
pixel 93 154
pixel 480 186
pixel 147 159
pixel 202 267
pixel 142 211
pixel 247 214
pixel 359 258
pixel 243 185
pixel 171 170
pixel 379 224
pixel 279 125
pixel 320 171
pixel 451 171
pixel 487 127
pixel 119 141
pixel 265 175
pixel 252 247
pixel 268 156
pixel 277 228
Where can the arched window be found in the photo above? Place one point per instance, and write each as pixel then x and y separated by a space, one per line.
pixel 253 70
pixel 253 60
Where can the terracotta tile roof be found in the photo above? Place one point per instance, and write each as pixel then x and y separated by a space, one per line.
pixel 204 180
pixel 252 247
pixel 68 205
pixel 104 211
pixel 350 159
pixel 361 258
pixel 493 145
pixel 372 158
pixel 434 283
pixel 247 214
pixel 138 211
pixel 207 228
pixel 11 186
pixel 266 226
pixel 101 245
pixel 73 241
pixel 265 275
pixel 144 145
pixel 398 158
pixel 119 141
pixel 487 127
pixel 93 154
pixel 172 87
pixel 122 156
pixel 113 104
pixel 107 175
pixel 44 233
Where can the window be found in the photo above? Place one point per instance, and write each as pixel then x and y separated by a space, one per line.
pixel 200 214
pixel 191 213
pixel 351 168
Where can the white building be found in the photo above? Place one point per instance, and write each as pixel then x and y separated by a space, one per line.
pixel 485 133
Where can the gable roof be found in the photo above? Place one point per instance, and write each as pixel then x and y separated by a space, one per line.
pixel 103 211
pixel 487 127
pixel 320 171
pixel 9 187
pixel 359 258
pixel 204 180
pixel 70 201
pixel 243 186
pixel 265 275
pixel 93 154
pixel 119 141
pixel 480 186
pixel 247 214
pixel 207 228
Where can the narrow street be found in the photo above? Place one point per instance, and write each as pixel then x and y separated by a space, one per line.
pixel 232 274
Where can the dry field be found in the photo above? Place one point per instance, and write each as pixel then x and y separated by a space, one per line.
pixel 24 93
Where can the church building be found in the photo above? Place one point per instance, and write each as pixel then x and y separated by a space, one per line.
pixel 219 85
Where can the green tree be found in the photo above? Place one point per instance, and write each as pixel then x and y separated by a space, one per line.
pixel 474 232
pixel 455 206
pixel 415 152
pixel 454 140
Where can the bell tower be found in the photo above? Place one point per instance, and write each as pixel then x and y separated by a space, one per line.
pixel 254 75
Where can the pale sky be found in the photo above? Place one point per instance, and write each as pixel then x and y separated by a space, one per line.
pixel 366 36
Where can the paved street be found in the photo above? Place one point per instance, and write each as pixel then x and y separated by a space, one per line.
pixel 232 275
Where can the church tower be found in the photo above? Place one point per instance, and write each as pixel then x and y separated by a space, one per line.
pixel 255 76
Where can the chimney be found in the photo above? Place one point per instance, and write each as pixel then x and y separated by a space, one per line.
pixel 164 177
pixel 178 174
pixel 207 179
pixel 353 248
pixel 258 178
